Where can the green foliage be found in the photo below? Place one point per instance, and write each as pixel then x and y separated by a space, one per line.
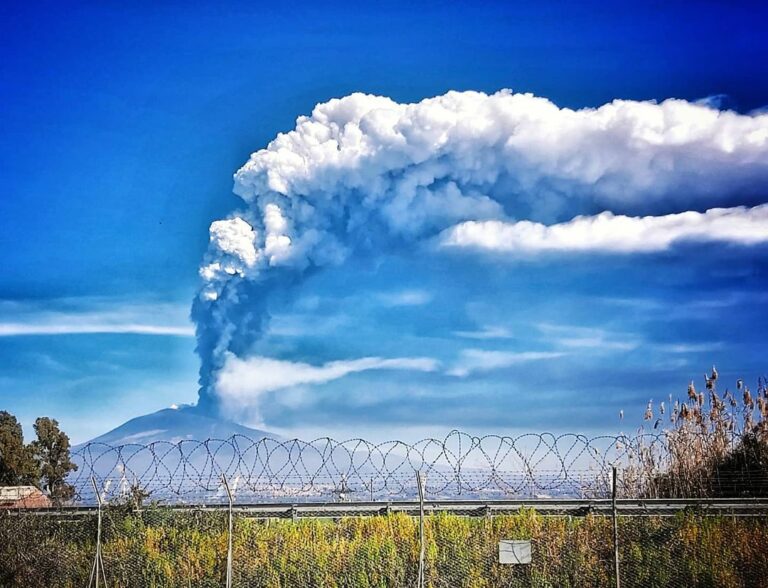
pixel 133 500
pixel 51 450
pixel 17 465
pixel 163 548
pixel 45 462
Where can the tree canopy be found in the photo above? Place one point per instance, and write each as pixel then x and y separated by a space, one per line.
pixel 17 464
pixel 51 451
pixel 45 462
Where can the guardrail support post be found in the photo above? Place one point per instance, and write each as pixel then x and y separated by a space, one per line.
pixel 229 532
pixel 615 529
pixel 422 546
pixel 97 571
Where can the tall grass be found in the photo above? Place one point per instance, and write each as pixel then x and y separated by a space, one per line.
pixel 712 444
pixel 167 549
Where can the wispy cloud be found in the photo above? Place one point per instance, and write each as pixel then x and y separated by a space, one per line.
pixel 479 360
pixel 576 337
pixel 597 343
pixel 487 332
pixel 639 303
pixel 689 347
pixel 715 101
pixel 64 328
pixel 314 317
pixel 85 316
pixel 302 324
pixel 597 339
pixel 692 306
pixel 404 298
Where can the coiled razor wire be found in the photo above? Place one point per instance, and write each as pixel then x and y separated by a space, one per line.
pixel 276 470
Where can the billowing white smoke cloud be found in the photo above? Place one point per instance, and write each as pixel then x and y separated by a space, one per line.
pixel 609 233
pixel 242 382
pixel 366 175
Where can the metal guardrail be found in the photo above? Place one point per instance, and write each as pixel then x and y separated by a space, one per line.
pixel 572 507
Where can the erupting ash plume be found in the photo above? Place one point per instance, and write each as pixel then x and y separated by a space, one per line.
pixel 364 175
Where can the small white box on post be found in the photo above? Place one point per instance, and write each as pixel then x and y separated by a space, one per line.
pixel 514 552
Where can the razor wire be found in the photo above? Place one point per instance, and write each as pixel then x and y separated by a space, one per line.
pixel 270 469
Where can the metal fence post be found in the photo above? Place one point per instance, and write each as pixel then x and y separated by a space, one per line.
pixel 422 547
pixel 615 529
pixel 229 532
pixel 97 571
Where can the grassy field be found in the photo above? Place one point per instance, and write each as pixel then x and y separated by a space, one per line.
pixel 163 548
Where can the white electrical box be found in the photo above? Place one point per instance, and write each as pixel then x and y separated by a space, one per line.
pixel 514 552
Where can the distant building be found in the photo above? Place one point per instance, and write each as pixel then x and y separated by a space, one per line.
pixel 23 497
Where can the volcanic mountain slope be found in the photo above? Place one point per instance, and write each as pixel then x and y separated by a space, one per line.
pixel 174 425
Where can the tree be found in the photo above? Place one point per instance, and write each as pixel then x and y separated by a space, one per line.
pixel 17 465
pixel 51 450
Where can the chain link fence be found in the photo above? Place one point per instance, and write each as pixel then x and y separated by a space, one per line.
pixel 171 547
pixel 536 511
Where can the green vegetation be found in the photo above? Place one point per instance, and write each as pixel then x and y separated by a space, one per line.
pixel 713 445
pixel 44 463
pixel 159 548
pixel 17 464
pixel 51 452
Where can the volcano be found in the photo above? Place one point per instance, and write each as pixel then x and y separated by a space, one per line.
pixel 174 425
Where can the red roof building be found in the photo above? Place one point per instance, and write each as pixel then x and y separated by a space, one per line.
pixel 23 497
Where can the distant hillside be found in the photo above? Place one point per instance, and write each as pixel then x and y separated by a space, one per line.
pixel 175 424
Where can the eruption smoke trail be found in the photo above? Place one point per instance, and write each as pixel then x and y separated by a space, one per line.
pixel 367 175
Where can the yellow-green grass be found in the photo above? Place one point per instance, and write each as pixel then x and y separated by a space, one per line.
pixel 163 549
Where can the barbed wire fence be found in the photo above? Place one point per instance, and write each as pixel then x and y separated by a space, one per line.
pixel 460 465
pixel 275 512
pixel 269 469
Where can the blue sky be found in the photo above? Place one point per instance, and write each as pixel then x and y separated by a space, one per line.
pixel 122 127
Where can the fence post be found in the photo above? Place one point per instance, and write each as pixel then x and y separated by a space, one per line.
pixel 615 529
pixel 229 532
pixel 98 562
pixel 422 547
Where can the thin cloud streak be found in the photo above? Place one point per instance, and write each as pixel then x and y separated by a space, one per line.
pixel 22 329
pixel 588 338
pixel 403 298
pixel 479 360
pixel 90 315
pixel 689 347
pixel 489 332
